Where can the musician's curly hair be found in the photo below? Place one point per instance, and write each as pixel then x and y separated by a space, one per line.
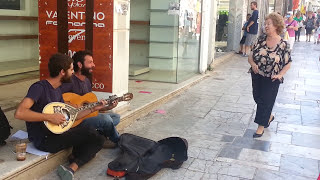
pixel 79 57
pixel 57 62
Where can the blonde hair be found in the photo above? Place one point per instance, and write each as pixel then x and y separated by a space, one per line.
pixel 277 21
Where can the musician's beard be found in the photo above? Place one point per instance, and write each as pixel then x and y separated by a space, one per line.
pixel 66 79
pixel 86 72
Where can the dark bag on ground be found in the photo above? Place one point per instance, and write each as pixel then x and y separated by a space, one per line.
pixel 4 128
pixel 141 158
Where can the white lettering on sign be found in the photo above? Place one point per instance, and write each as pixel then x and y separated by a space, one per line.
pixel 77 36
pixel 78 15
pixel 98 85
pixel 76 24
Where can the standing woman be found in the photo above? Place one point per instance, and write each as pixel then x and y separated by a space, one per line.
pixel 291 26
pixel 309 25
pixel 299 20
pixel 270 59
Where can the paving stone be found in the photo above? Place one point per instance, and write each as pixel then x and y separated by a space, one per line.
pixel 306 140
pixel 270 136
pixel 263 174
pixel 194 151
pixel 299 128
pixel 208 176
pixel 208 154
pixel 233 107
pixel 299 166
pixel 265 158
pixel 287 118
pixel 200 165
pixel 230 151
pixel 251 143
pixel 227 138
pixel 192 175
pixel 248 163
pixel 294 150
pixel 166 174
pixel 229 98
pixel 284 132
pixel 233 169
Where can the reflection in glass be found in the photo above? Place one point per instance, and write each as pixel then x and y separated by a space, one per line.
pixel 222 27
pixel 189 38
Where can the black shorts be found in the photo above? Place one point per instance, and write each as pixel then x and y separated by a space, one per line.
pixel 308 31
pixel 243 40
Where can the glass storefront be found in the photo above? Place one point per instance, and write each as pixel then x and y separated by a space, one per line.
pixel 18 40
pixel 164 39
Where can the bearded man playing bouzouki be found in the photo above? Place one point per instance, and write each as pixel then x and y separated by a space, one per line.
pixel 81 84
pixel 86 142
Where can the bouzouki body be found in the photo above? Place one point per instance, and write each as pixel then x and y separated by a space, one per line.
pixel 72 98
pixel 69 112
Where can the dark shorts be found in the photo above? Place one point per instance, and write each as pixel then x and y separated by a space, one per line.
pixel 308 31
pixel 243 40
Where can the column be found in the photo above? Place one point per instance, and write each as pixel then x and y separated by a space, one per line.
pixel 236 10
pixel 120 66
pixel 279 6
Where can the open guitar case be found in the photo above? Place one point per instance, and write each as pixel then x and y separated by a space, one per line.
pixel 141 158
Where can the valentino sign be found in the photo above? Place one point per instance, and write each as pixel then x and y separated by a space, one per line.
pixel 102 36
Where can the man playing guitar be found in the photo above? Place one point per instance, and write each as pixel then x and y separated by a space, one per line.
pixel 81 84
pixel 86 142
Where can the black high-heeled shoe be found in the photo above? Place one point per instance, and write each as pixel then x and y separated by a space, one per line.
pixel 269 122
pixel 255 135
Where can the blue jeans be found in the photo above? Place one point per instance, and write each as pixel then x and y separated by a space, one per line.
pixel 105 124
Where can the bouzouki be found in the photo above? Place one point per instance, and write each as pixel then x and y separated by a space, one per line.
pixel 84 102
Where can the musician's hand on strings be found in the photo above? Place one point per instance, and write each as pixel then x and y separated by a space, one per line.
pixel 103 103
pixel 113 104
pixel 56 118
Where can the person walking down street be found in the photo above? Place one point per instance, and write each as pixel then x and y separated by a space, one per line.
pixel 291 26
pixel 299 20
pixel 270 59
pixel 243 39
pixel 252 28
pixel 310 21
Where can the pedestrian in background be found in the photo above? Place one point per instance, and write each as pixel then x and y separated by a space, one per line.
pixel 243 39
pixel 309 22
pixel 291 26
pixel 299 20
pixel 270 59
pixel 252 28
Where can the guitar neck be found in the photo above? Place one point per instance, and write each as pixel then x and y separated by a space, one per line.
pixel 88 106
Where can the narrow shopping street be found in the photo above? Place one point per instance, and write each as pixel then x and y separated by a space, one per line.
pixel 216 117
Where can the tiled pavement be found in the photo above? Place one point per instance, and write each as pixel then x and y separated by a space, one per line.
pixel 215 116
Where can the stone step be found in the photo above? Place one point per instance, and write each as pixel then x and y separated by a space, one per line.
pixel 35 167
pixel 18 66
pixel 135 70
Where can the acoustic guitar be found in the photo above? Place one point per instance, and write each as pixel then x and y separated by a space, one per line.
pixel 85 102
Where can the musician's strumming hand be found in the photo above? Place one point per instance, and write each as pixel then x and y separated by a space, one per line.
pixel 56 118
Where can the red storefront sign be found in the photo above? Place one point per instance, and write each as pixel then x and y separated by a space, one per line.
pixel 102 38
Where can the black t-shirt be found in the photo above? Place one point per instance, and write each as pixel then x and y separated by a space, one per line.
pixel 255 18
pixel 42 93
pixel 77 86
